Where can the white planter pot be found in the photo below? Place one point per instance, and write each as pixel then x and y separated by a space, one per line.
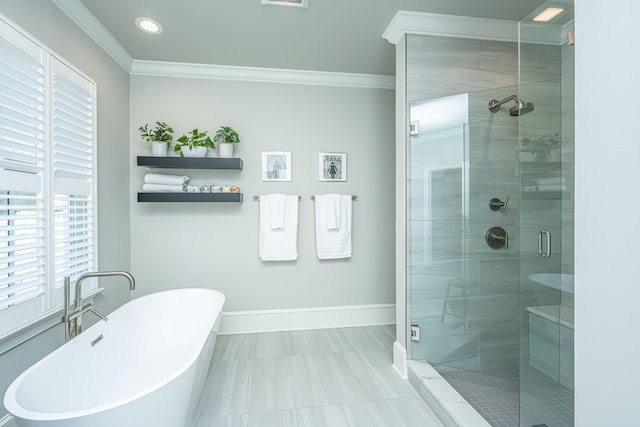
pixel 194 152
pixel 158 148
pixel 225 150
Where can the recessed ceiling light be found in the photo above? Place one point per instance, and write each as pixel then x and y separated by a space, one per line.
pixel 548 14
pixel 293 3
pixel 148 25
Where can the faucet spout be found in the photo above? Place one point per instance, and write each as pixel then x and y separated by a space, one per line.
pixel 82 278
pixel 73 318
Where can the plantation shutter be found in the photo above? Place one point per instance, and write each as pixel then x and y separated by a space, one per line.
pixel 22 204
pixel 48 214
pixel 73 165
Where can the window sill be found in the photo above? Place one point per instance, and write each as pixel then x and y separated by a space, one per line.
pixel 38 326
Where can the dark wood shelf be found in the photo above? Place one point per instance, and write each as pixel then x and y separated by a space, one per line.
pixel 190 162
pixel 190 197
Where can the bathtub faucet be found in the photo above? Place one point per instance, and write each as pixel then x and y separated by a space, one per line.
pixel 72 317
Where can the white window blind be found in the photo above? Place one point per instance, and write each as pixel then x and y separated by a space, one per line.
pixel 73 166
pixel 22 230
pixel 47 179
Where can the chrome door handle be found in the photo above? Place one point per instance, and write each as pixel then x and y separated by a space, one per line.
pixel 544 252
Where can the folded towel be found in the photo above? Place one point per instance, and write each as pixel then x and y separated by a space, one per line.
pixel 160 178
pixel 278 244
pixel 161 188
pixel 552 180
pixel 276 210
pixel 333 243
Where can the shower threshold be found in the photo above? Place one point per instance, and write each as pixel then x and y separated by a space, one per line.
pixel 452 409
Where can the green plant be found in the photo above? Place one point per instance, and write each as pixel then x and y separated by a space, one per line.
pixel 540 148
pixel 161 133
pixel 194 139
pixel 226 134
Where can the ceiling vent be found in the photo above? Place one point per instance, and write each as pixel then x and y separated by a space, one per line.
pixel 292 3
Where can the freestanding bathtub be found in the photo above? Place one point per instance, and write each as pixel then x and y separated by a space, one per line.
pixel 145 366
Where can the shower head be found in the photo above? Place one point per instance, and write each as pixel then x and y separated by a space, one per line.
pixel 521 107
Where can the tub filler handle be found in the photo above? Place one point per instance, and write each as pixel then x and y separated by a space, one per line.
pixel 72 317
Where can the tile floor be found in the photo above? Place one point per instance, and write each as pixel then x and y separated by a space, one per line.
pixel 329 377
pixel 505 402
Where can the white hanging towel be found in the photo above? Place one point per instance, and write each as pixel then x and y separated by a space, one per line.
pixel 278 228
pixel 276 211
pixel 333 226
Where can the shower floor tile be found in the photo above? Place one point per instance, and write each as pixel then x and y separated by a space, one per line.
pixel 497 399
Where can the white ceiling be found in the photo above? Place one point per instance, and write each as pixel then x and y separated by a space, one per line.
pixel 330 35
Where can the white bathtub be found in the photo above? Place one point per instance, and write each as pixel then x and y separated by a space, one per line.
pixel 148 368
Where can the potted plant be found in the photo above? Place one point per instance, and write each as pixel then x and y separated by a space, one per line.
pixel 194 145
pixel 541 149
pixel 226 137
pixel 160 137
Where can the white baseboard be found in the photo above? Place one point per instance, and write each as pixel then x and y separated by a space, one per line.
pixel 400 359
pixel 6 420
pixel 238 322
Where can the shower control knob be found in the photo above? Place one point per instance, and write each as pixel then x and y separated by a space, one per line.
pixel 497 238
pixel 495 203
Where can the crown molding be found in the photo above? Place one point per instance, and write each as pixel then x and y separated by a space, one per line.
pixel 88 23
pixel 431 24
pixel 267 75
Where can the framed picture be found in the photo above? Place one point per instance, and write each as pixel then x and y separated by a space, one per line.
pixel 276 166
pixel 332 167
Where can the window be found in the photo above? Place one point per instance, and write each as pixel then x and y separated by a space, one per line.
pixel 47 179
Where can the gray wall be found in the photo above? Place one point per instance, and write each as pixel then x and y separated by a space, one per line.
pixel 46 23
pixel 216 245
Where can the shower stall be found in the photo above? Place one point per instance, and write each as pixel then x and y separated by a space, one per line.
pixel 489 218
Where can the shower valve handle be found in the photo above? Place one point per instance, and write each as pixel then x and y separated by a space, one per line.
pixel 497 238
pixel 495 203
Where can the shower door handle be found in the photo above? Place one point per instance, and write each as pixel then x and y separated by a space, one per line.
pixel 544 250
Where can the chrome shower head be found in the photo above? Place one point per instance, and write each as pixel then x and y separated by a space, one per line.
pixel 520 108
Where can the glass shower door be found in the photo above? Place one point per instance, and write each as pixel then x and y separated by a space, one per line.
pixel 547 216
pixel 464 242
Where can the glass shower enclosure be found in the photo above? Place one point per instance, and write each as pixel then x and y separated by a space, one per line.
pixel 490 224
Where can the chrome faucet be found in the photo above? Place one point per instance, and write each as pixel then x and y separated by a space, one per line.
pixel 72 318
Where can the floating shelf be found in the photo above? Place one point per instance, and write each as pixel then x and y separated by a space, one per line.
pixel 190 162
pixel 190 197
pixel 544 195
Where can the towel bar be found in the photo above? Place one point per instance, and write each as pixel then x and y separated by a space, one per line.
pixel 353 197
pixel 256 198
